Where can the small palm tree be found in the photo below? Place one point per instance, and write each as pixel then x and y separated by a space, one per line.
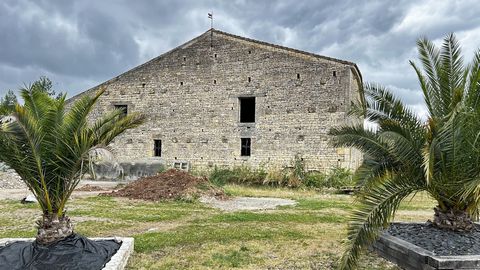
pixel 48 146
pixel 405 155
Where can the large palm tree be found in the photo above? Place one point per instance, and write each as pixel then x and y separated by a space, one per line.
pixel 405 155
pixel 48 146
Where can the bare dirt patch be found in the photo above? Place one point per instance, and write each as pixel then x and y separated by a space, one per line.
pixel 247 203
pixel 169 185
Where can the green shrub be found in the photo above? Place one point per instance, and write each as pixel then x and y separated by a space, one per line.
pixel 338 177
pixel 238 175
pixel 315 180
pixel 294 177
pixel 275 177
pixel 220 177
pixel 335 178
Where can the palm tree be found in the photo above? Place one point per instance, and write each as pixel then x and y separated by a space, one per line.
pixel 48 145
pixel 405 155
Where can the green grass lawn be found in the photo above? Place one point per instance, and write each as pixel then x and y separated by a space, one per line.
pixel 182 235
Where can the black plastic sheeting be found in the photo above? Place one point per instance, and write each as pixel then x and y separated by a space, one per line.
pixel 75 252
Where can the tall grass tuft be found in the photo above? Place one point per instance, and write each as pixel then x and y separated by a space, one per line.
pixel 295 176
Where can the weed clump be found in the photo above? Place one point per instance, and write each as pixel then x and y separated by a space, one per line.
pixel 295 176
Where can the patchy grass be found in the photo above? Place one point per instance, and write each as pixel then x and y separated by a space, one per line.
pixel 283 217
pixel 182 235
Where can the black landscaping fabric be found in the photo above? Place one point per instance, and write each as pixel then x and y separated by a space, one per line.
pixel 75 252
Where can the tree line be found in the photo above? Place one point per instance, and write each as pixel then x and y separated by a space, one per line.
pixel 43 84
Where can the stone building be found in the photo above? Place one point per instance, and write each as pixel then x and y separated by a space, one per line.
pixel 221 99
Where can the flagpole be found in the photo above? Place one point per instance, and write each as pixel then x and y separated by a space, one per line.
pixel 210 16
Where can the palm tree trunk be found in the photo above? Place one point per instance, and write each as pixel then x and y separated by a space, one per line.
pixel 452 219
pixel 52 228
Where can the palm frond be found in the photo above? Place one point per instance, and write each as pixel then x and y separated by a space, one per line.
pixel 376 209
pixel 404 155
pixel 451 77
pixel 47 144
pixel 356 136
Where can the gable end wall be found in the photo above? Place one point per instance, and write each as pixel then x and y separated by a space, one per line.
pixel 198 121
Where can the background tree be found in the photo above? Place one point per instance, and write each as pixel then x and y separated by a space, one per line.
pixel 43 84
pixel 7 103
pixel 405 155
pixel 48 146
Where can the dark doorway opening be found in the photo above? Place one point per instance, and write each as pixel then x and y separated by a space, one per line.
pixel 247 110
pixel 157 148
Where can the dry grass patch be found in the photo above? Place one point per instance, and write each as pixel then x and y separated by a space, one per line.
pixel 190 235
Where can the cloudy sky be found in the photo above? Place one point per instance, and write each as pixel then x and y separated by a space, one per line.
pixel 79 44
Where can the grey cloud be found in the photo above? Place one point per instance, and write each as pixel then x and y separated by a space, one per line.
pixel 79 44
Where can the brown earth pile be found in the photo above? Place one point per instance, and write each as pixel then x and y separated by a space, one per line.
pixel 88 187
pixel 168 185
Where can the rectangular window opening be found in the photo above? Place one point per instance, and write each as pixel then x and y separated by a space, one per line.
pixel 249 79
pixel 247 110
pixel 157 148
pixel 246 147
pixel 123 108
pixel 298 76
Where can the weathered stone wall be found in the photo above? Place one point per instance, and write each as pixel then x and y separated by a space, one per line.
pixel 191 96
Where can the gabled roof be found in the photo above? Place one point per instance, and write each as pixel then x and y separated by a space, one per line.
pixel 258 42
pixel 354 66
pixel 280 47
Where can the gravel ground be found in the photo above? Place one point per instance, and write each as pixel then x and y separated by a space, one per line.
pixel 441 242
pixel 246 203
pixel 9 179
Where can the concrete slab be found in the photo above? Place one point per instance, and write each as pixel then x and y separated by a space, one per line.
pixel 247 203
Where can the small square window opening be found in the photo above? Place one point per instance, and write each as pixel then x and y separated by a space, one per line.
pixel 246 147
pixel 123 108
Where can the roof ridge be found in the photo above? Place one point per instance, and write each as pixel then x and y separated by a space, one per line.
pixel 282 47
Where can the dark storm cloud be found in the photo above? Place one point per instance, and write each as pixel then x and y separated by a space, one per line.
pixel 79 44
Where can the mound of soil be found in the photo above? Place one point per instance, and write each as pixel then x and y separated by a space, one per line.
pixel 88 187
pixel 169 185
